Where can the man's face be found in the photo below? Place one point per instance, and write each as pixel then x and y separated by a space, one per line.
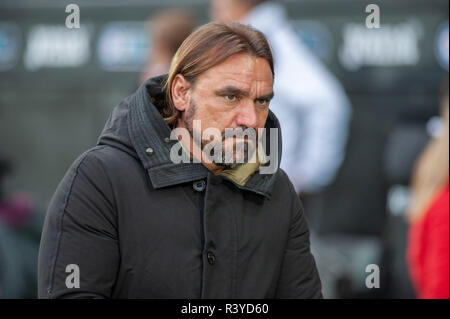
pixel 233 94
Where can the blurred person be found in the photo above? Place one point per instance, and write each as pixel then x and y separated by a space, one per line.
pixel 167 31
pixel 137 224
pixel 13 211
pixel 310 104
pixel 20 228
pixel 428 213
pixel 4 169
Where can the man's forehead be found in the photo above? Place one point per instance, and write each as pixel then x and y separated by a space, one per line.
pixel 244 86
pixel 241 70
pixel 245 64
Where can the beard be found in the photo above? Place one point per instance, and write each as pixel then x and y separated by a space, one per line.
pixel 239 145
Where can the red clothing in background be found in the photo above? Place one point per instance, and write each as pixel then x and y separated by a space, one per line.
pixel 428 250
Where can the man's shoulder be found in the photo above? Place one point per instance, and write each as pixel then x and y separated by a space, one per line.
pixel 88 163
pixel 283 186
pixel 96 176
pixel 107 156
pixel 98 165
pixel 92 159
pixel 283 179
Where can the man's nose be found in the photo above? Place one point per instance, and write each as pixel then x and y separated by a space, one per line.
pixel 247 115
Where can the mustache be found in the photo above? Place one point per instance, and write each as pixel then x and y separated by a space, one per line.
pixel 239 132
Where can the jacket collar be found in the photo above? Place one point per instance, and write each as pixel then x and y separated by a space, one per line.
pixel 150 134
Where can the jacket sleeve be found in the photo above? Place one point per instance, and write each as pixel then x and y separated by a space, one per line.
pixel 79 252
pixel 299 278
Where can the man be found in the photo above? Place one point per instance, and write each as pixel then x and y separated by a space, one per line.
pixel 128 222
pixel 310 104
pixel 4 169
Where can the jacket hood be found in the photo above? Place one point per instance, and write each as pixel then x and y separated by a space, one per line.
pixel 137 127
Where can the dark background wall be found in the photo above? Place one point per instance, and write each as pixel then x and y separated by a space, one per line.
pixel 49 115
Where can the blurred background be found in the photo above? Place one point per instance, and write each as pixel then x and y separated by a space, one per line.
pixel 58 86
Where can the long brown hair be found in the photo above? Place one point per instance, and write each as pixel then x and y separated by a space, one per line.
pixel 432 169
pixel 209 46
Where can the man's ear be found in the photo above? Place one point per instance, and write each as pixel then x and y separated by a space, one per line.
pixel 180 92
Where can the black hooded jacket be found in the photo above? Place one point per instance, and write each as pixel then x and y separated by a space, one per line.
pixel 136 225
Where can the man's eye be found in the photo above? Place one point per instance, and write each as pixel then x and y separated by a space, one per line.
pixel 231 97
pixel 263 102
